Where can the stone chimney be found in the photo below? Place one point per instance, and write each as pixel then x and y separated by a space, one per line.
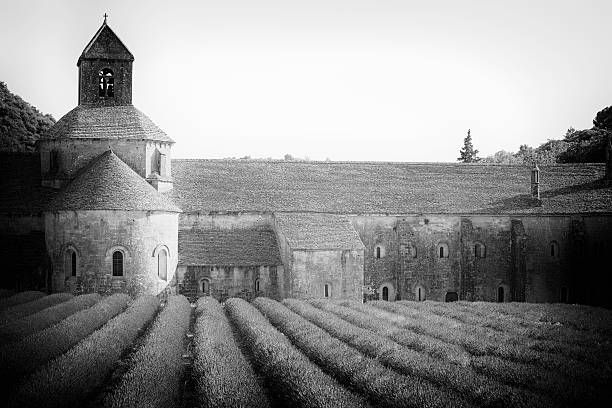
pixel 535 183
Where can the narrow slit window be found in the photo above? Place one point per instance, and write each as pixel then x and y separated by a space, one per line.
pixel 162 265
pixel 117 263
pixel 73 263
pixel 326 290
pixel 554 249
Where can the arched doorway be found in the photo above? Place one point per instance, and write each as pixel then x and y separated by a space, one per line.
pixel 500 294
pixel 386 292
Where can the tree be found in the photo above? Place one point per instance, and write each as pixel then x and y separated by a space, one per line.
pixel 288 157
pixel 603 119
pixel 21 124
pixel 502 157
pixel 468 153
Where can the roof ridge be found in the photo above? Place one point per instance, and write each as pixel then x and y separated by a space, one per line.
pixel 373 162
pixel 95 38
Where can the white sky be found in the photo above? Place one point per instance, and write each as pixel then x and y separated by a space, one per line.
pixel 345 79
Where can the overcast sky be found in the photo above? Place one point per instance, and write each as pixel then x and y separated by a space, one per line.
pixel 341 79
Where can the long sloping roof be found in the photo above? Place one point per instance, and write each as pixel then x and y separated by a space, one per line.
pixel 107 122
pixel 107 183
pixel 317 231
pixel 105 44
pixel 220 186
pixel 386 188
pixel 228 247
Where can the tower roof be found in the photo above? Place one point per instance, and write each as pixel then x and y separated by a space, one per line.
pixel 105 45
pixel 108 183
pixel 106 122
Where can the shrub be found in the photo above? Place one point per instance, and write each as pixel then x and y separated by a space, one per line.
pixel 382 385
pixel 18 311
pixel 464 380
pixel 290 375
pixel 24 356
pixel 224 377
pixel 69 379
pixel 154 373
pixel 19 298
pixel 45 318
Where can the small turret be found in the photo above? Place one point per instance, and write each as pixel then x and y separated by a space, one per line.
pixel 535 183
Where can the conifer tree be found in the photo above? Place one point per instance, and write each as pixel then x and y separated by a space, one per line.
pixel 468 153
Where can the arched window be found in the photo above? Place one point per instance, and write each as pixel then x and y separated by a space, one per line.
pixel 205 285
pixel 106 83
pixel 385 293
pixel 117 263
pixel 326 290
pixel 419 293
pixel 257 287
pixel 554 249
pixel 500 294
pixel 479 250
pixel 378 252
pixel 442 251
pixel 162 264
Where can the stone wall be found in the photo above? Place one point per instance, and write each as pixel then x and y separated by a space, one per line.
pixel 514 262
pixel 341 270
pixel 95 235
pixel 237 220
pixel 89 82
pixel 379 232
pixel 158 166
pixel 74 154
pixel 225 281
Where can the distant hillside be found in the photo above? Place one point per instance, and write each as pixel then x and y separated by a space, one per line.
pixel 21 124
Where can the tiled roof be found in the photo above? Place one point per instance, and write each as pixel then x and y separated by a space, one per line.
pixel 318 231
pixel 228 247
pixel 107 183
pixel 385 188
pixel 106 44
pixel 107 122
pixel 20 189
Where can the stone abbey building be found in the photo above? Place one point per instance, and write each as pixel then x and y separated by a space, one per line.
pixel 103 207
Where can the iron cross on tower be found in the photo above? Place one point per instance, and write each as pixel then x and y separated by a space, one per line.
pixel 105 15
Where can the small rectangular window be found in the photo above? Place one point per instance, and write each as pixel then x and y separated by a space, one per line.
pixel 326 290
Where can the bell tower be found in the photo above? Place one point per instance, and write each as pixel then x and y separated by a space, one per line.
pixel 105 70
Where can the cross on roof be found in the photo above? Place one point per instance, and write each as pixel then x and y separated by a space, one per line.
pixel 105 15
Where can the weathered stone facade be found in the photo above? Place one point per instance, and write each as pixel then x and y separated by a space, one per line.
pixel 96 235
pixel 92 207
pixel 533 259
